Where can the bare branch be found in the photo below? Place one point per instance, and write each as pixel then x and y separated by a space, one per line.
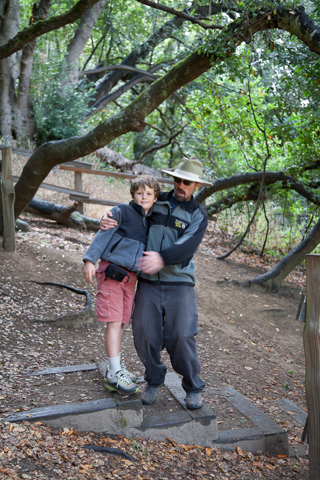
pixel 153 148
pixel 190 18
pixel 122 67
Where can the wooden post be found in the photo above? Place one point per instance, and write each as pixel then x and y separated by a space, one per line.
pixel 311 338
pixel 8 197
pixel 78 187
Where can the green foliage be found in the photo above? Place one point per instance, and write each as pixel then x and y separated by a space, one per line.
pixel 58 108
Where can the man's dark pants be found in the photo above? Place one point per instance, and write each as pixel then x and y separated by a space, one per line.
pixel 167 316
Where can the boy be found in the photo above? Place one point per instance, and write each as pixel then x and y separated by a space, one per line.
pixel 122 247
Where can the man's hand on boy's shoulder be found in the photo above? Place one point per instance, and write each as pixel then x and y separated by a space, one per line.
pixel 108 222
pixel 151 263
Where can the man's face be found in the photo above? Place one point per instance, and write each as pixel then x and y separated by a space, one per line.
pixel 184 189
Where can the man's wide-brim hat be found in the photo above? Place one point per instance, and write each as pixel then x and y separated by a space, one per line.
pixel 189 169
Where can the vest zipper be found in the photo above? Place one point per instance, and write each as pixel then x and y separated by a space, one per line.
pixel 164 236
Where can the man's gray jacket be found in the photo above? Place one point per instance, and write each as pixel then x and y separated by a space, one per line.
pixel 175 235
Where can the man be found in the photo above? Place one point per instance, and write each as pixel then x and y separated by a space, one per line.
pixel 165 313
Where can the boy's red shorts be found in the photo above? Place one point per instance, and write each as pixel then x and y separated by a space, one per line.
pixel 114 300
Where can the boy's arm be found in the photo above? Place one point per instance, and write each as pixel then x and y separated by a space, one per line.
pixel 101 240
pixel 89 271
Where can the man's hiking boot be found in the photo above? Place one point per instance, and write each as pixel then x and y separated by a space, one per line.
pixel 194 401
pixel 149 394
pixel 120 383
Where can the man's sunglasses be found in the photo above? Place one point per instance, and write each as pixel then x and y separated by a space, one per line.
pixel 187 183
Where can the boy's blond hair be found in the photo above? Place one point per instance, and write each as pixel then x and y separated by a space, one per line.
pixel 143 181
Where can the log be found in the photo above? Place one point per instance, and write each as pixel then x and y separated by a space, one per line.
pixel 61 214
pixel 311 339
pixel 21 225
pixel 114 159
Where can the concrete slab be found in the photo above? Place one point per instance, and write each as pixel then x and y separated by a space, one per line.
pixel 248 439
pixel 273 438
pixel 293 410
pixel 58 411
pixel 66 369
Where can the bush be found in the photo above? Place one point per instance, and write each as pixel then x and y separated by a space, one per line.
pixel 59 109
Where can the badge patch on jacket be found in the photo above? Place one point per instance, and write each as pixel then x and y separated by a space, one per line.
pixel 179 225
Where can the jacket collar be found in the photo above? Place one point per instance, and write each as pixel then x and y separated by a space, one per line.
pixel 140 209
pixel 189 206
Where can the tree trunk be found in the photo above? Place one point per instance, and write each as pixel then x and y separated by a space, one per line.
pixel 64 215
pixel 9 27
pixel 79 41
pixel 24 125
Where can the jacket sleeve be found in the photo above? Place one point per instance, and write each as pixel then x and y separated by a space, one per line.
pixel 102 238
pixel 184 248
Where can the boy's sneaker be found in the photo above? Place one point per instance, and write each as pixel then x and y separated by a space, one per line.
pixel 132 377
pixel 120 383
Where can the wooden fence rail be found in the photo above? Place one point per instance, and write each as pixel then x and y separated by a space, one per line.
pixel 79 168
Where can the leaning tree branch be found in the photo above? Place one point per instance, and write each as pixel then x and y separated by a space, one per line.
pixel 145 77
pixel 288 182
pixel 143 50
pixel 111 97
pixel 251 194
pixel 232 198
pixel 122 67
pixel 274 277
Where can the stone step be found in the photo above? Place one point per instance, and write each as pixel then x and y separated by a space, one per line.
pixel 124 416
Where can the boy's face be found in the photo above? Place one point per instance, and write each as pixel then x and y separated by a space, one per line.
pixel 145 197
